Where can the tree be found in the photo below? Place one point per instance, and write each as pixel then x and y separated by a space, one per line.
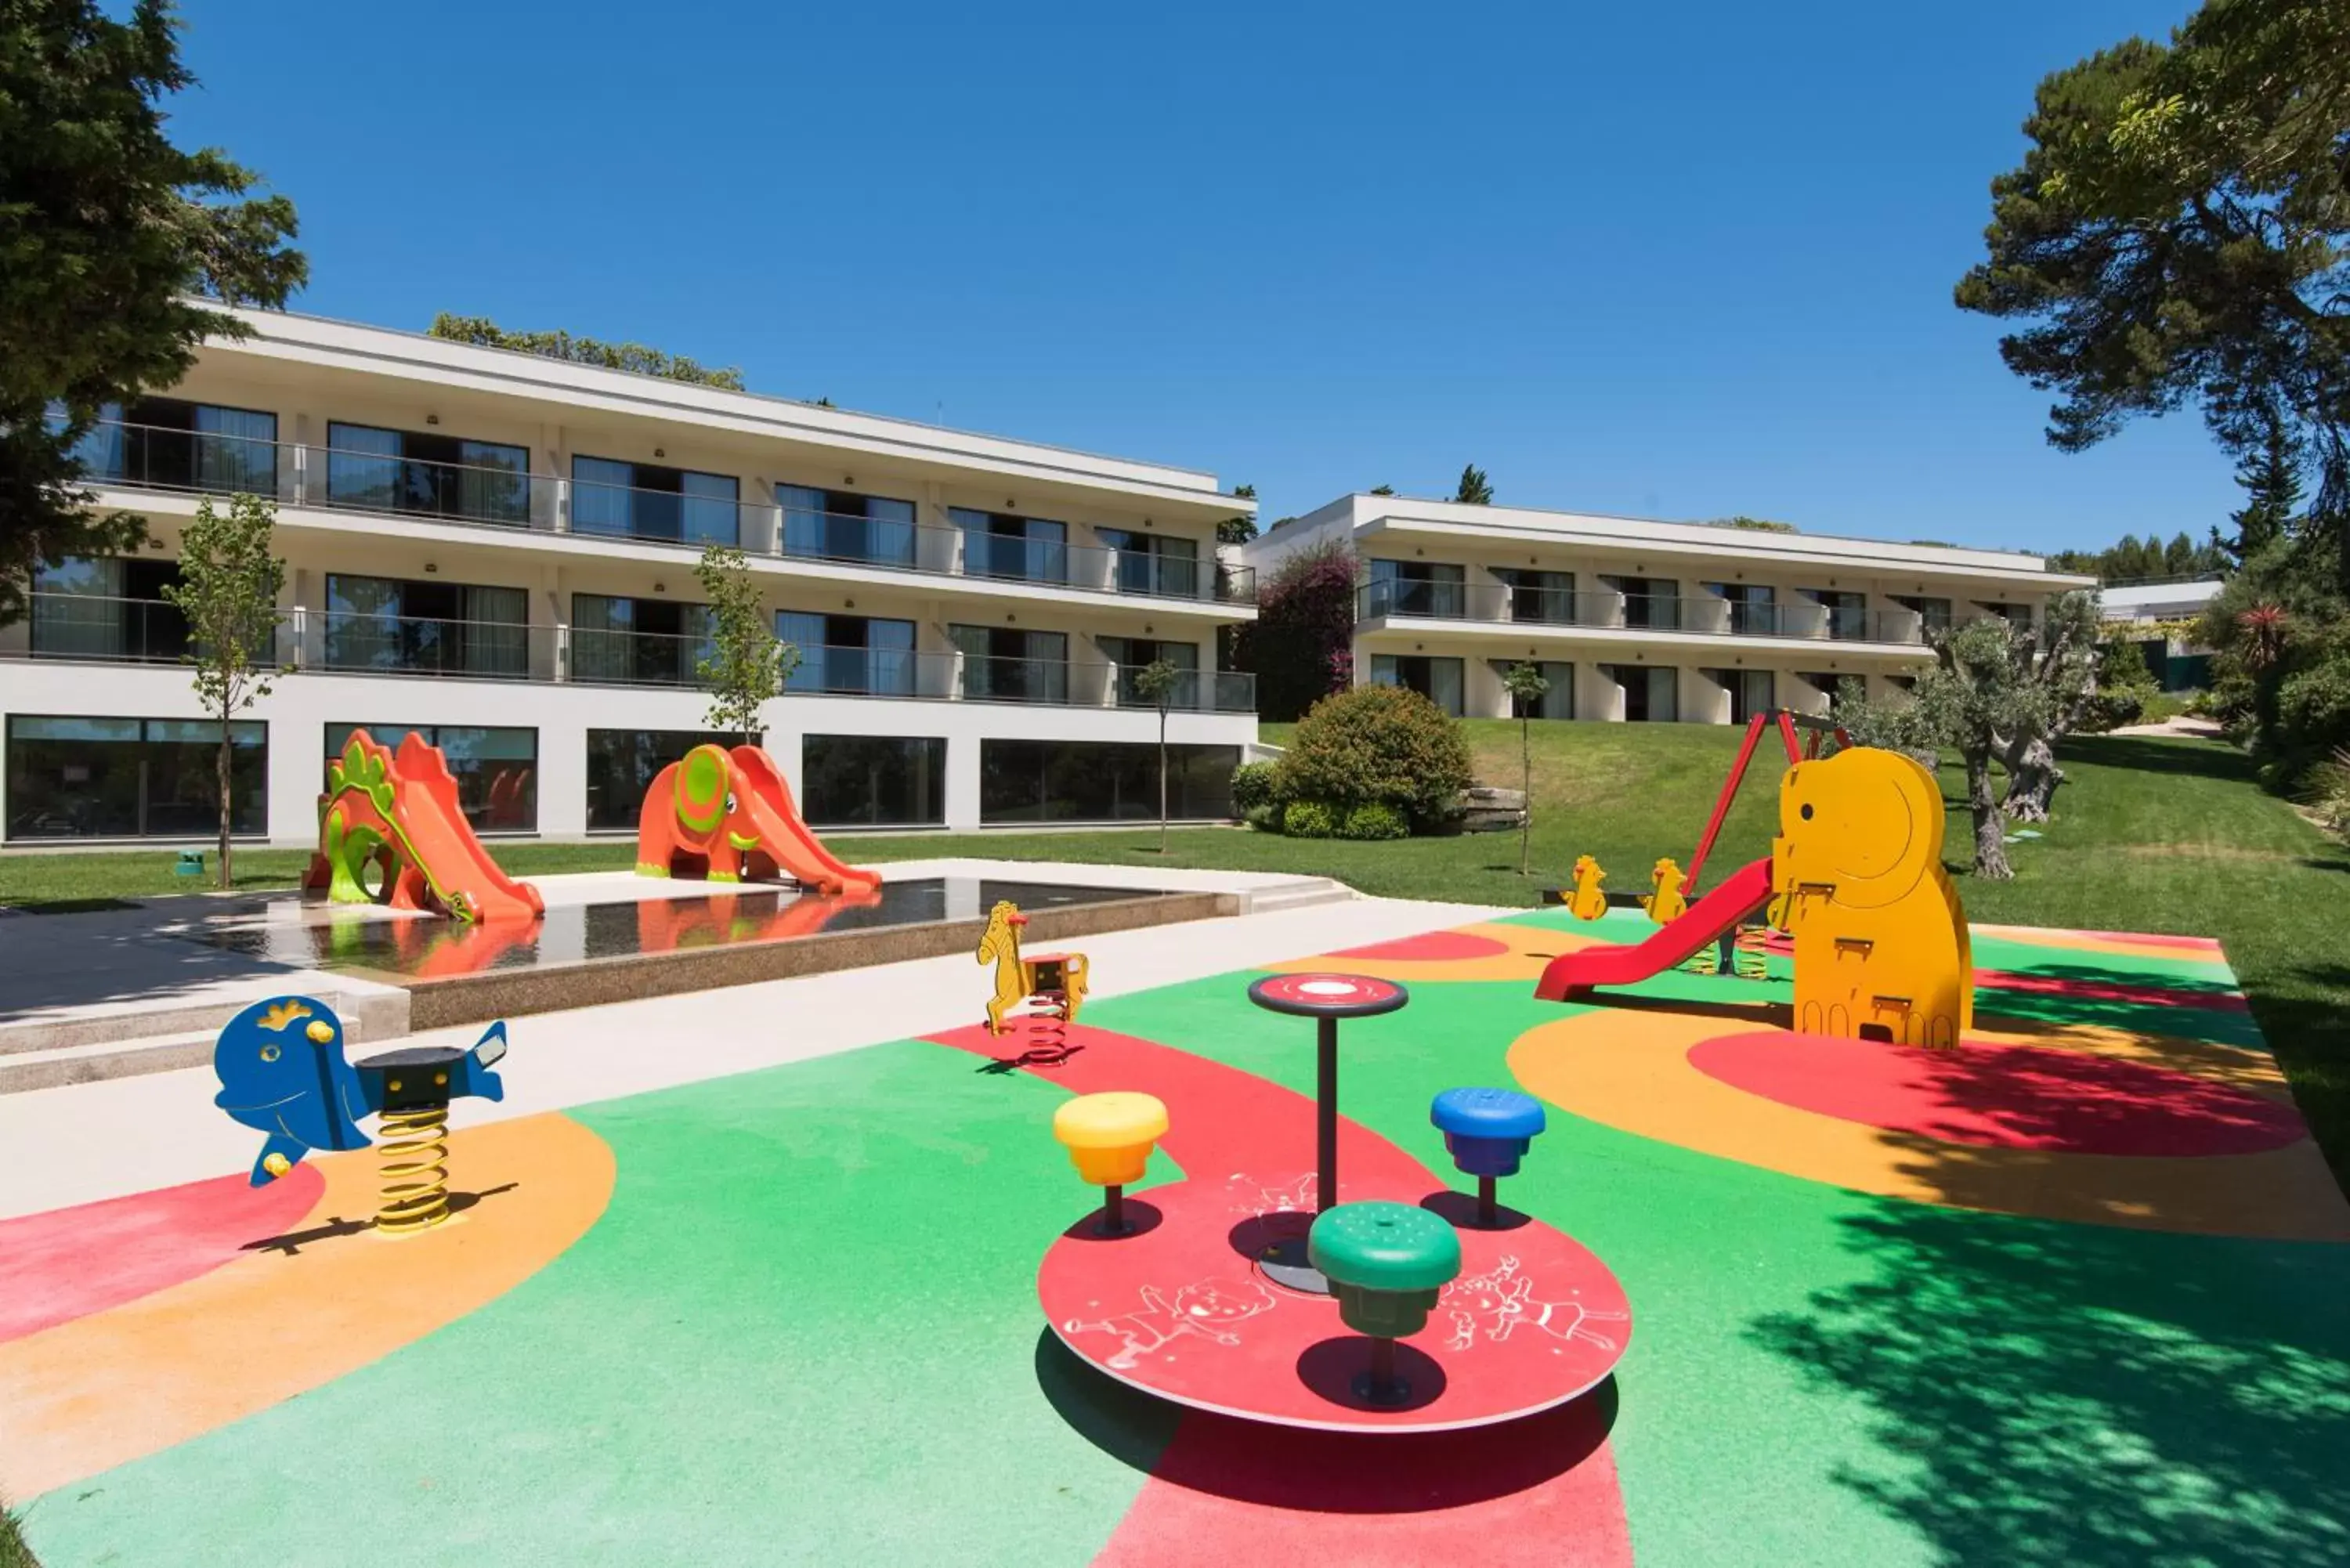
pixel 1526 686
pixel 1754 525
pixel 483 333
pixel 2176 233
pixel 1382 490
pixel 1155 683
pixel 2270 477
pixel 105 231
pixel 1300 647
pixel 1237 530
pixel 745 663
pixel 1476 489
pixel 228 590
pixel 2057 667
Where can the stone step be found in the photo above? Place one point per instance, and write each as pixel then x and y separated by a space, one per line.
pixel 93 1061
pixel 375 1013
pixel 1299 895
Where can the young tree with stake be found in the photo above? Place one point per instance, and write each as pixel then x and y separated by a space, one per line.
pixel 1526 686
pixel 745 663
pixel 1156 683
pixel 228 590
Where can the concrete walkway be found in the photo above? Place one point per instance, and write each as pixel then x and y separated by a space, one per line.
pixel 90 1141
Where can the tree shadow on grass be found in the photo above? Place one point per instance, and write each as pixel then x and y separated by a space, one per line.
pixel 2074 1395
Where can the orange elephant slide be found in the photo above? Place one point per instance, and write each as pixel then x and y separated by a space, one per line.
pixel 726 815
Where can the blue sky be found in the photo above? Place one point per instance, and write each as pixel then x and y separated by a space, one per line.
pixel 1669 260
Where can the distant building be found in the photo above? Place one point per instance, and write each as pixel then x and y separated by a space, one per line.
pixel 2158 602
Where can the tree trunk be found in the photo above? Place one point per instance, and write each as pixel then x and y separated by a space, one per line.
pixel 1990 827
pixel 1526 788
pixel 221 769
pixel 2032 776
pixel 1162 778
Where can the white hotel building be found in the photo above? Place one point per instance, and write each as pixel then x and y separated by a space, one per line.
pixel 1630 619
pixel 498 549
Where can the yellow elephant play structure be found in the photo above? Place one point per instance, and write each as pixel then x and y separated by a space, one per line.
pixel 1881 948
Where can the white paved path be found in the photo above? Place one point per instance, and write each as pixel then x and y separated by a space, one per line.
pixel 90 1141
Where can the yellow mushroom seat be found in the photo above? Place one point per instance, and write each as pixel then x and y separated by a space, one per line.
pixel 1109 1138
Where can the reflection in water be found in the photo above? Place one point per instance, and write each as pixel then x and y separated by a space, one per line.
pixel 426 947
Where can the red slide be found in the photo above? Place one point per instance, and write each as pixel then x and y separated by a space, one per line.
pixel 1571 974
pixel 449 858
pixel 797 854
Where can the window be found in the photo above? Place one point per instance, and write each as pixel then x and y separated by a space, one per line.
pixel 1434 590
pixel 998 545
pixel 1133 655
pixel 873 781
pixel 1532 596
pixel 1752 611
pixel 1559 702
pixel 1154 563
pixel 108 608
pixel 397 626
pixel 133 778
pixel 1847 613
pixel 174 444
pixel 638 642
pixel 643 501
pixel 1438 679
pixel 841 525
pixel 1651 692
pixel 622 765
pixel 1653 602
pixel 1933 614
pixel 1751 691
pixel 1826 682
pixel 1004 664
pixel 1101 781
pixel 862 654
pixel 497 770
pixel 2017 615
pixel 428 474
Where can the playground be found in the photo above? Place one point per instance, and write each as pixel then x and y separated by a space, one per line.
pixel 1792 1218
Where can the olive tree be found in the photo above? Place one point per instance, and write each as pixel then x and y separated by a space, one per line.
pixel 228 590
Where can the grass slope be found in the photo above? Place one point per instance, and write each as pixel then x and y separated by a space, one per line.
pixel 2151 835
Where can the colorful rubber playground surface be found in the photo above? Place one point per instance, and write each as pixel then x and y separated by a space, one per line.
pixel 2077 1292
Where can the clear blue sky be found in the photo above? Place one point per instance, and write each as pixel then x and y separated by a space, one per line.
pixel 1670 260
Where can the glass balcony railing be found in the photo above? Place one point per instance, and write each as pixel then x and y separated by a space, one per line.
pixel 333 478
pixel 356 643
pixel 1196 690
pixel 1606 609
pixel 106 630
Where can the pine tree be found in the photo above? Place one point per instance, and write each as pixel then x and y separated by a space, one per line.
pixel 2272 480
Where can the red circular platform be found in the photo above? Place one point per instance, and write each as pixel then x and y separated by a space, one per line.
pixel 2003 1096
pixel 1179 1309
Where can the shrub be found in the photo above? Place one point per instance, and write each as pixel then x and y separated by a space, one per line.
pixel 1309 819
pixel 1264 818
pixel 1378 744
pixel 1375 819
pixel 2111 708
pixel 1252 786
pixel 1298 645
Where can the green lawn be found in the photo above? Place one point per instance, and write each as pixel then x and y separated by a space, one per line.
pixel 2151 835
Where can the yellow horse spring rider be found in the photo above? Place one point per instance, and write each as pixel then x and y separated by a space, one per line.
pixel 1057 980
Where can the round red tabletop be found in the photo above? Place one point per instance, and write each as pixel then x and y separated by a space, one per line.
pixel 1328 996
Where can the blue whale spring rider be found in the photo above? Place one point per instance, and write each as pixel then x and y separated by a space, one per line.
pixel 283 1073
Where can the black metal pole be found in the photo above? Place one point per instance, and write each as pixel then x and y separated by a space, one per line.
pixel 1113 1215
pixel 1489 1213
pixel 1383 1373
pixel 1325 1154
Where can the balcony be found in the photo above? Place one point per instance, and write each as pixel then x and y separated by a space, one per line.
pixel 87 629
pixel 142 457
pixel 1605 609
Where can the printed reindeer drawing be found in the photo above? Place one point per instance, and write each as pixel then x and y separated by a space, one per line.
pixel 1503 1302
pixel 1206 1309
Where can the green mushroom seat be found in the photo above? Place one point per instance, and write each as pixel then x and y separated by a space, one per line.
pixel 1389 1262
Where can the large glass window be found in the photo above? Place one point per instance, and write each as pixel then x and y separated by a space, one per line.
pixel 497 770
pixel 1433 590
pixel 638 642
pixel 999 544
pixel 1557 703
pixel 1752 612
pixel 1546 596
pixel 1133 655
pixel 644 500
pixel 623 763
pixel 1652 692
pixel 427 474
pixel 108 608
pixel 873 781
pixel 1155 563
pixel 133 778
pixel 1847 612
pixel 1438 679
pixel 1006 664
pixel 174 444
pixel 842 525
pixel 398 627
pixel 1101 781
pixel 1751 691
pixel 1652 602
pixel 1933 614
pixel 853 654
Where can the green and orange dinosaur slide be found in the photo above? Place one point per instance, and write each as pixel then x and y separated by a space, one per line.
pixel 398 811
pixel 726 815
